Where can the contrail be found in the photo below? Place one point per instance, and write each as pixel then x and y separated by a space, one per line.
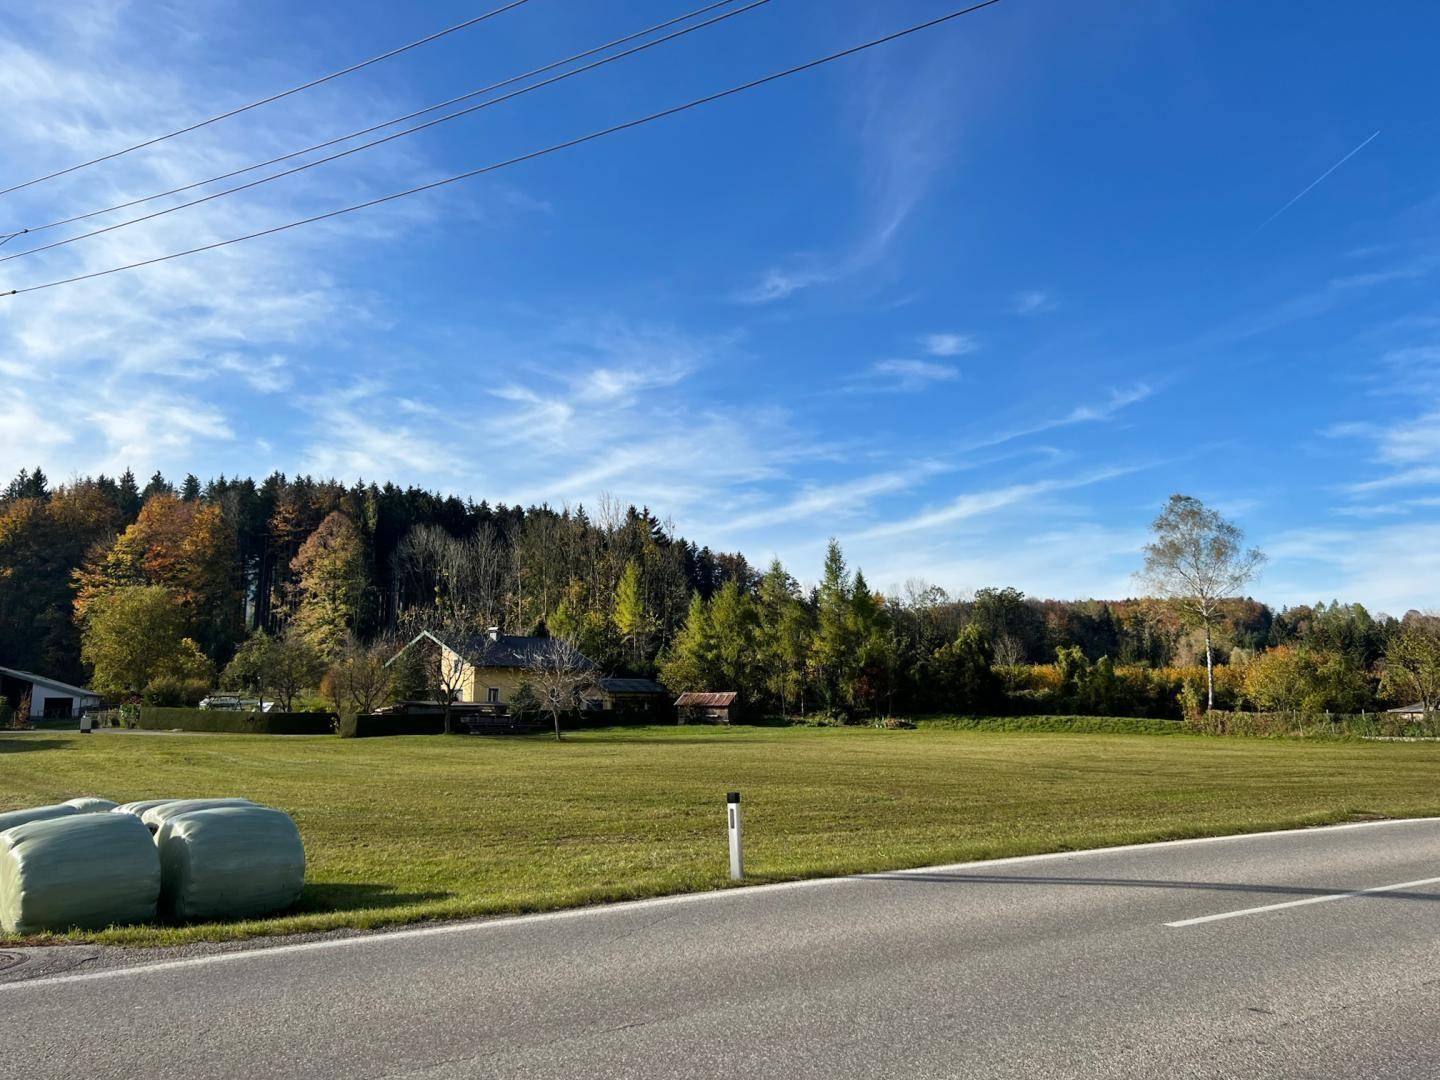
pixel 1317 180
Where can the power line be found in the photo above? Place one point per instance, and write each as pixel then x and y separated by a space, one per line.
pixel 273 97
pixel 394 135
pixel 532 155
pixel 375 127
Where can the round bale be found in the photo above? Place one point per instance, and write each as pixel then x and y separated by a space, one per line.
pixel 229 862
pixel 86 871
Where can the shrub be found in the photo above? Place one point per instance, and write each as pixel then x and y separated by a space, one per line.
pixel 175 691
pixel 234 722
pixel 1312 725
pixel 372 725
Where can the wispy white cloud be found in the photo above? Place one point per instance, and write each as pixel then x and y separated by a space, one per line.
pixel 908 129
pixel 1118 400
pixel 906 375
pixel 1032 302
pixel 837 501
pixel 973 504
pixel 949 344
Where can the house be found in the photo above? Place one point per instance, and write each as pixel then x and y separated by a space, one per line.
pixel 706 708
pixel 490 667
pixel 50 699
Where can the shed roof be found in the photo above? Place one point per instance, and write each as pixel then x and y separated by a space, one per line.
pixel 630 686
pixel 704 701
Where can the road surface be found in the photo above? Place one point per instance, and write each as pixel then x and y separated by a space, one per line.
pixel 1257 956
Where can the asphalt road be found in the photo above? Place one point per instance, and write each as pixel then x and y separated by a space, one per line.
pixel 1100 964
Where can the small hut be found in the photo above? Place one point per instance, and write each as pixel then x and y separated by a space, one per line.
pixel 692 708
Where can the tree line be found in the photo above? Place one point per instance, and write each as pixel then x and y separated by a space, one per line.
pixel 158 592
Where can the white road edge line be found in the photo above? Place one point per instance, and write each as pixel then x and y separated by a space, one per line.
pixel 1302 903
pixel 383 937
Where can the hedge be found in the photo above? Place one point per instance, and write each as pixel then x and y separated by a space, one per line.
pixel 372 725
pixel 1314 725
pixel 235 722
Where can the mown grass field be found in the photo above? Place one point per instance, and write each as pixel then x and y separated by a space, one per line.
pixel 406 829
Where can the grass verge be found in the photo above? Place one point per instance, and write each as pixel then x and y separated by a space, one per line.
pixel 407 829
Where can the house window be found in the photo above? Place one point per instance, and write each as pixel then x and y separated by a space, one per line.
pixel 492 695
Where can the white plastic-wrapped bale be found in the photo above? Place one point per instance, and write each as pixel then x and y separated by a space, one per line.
pixel 88 804
pixel 35 813
pixel 139 808
pixel 157 815
pixel 229 862
pixel 83 870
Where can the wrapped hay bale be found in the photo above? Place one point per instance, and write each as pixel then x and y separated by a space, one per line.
pixel 88 804
pixel 229 862
pixel 139 808
pixel 35 813
pixel 158 813
pixel 81 870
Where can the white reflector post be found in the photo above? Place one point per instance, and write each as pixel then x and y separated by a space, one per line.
pixel 737 859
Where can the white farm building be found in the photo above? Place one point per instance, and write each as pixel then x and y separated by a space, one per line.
pixel 49 698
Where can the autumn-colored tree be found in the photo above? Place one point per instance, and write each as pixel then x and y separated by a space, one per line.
pixel 783 638
pixel 42 541
pixel 134 637
pixel 631 616
pixel 361 677
pixel 1412 662
pixel 332 585
pixel 691 662
pixel 185 547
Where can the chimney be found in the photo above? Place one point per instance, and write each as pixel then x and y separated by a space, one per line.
pixel 493 633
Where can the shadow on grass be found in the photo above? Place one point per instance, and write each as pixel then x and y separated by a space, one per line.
pixel 355 896
pixel 15 744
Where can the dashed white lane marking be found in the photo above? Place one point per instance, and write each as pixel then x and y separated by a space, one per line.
pixel 1302 903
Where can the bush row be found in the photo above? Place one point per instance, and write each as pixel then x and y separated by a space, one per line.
pixel 1311 725
pixel 154 718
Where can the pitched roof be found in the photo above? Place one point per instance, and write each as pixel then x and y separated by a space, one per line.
pixel 693 700
pixel 503 651
pixel 54 684
pixel 630 686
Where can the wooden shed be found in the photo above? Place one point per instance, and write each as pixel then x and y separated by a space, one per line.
pixel 692 708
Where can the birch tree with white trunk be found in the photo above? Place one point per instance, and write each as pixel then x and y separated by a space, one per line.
pixel 1196 561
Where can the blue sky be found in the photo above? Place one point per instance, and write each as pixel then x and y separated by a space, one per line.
pixel 975 303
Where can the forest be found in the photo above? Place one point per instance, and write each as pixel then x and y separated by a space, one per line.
pixel 158 592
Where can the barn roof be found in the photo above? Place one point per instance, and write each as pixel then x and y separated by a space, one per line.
pixel 53 684
pixel 706 701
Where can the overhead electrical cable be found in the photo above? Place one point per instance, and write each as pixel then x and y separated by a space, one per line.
pixel 31 230
pixel 273 97
pixel 532 155
pixel 393 135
